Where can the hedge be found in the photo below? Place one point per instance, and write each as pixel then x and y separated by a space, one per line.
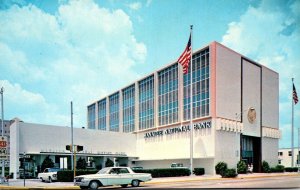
pixel 165 172
pixel 277 169
pixel 291 169
pixel 199 171
pixel 229 173
pixel 67 175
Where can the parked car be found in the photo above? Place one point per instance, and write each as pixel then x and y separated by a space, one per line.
pixel 49 174
pixel 112 176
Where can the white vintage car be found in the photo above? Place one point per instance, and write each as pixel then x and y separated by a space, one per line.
pixel 49 174
pixel 112 176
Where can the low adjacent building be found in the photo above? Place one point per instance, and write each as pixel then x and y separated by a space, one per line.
pixel 285 157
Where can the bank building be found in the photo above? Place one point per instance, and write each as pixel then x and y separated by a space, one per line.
pixel 147 123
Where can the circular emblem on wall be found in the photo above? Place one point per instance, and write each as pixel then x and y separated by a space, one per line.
pixel 251 115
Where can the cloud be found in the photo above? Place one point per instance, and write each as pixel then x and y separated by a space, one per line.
pixel 148 3
pixel 269 34
pixel 70 55
pixel 135 6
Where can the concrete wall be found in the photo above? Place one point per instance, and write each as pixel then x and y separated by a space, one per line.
pixel 270 98
pixel 251 98
pixel 228 83
pixel 176 146
pixel 270 150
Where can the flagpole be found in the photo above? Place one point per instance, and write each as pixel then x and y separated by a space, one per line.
pixel 191 106
pixel 292 148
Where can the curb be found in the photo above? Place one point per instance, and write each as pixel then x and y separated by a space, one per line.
pixel 220 178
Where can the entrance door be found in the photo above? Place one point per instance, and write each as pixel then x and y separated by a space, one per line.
pixel 251 149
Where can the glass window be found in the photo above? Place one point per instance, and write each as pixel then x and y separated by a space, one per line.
pixel 200 87
pixel 114 112
pixel 102 114
pixel 168 95
pixel 290 153
pixel 92 116
pixel 146 103
pixel 128 108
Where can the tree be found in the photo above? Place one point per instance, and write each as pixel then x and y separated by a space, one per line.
pixel 81 163
pixel 47 163
pixel 109 163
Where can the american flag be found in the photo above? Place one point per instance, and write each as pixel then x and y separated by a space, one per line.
pixel 185 57
pixel 295 97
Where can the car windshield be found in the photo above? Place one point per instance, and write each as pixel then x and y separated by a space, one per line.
pixel 103 171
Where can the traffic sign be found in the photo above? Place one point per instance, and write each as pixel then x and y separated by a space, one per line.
pixel 3 142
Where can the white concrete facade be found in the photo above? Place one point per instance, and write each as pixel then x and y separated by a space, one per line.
pixel 227 133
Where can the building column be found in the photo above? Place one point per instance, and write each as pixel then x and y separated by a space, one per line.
pixel 156 106
pixel 180 94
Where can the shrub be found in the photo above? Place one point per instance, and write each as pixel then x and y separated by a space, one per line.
pixel 67 175
pixel 220 167
pixel 199 171
pixel 291 169
pixel 265 167
pixel 81 163
pixel 229 173
pixel 109 163
pixel 47 163
pixel 242 167
pixel 277 169
pixel 165 172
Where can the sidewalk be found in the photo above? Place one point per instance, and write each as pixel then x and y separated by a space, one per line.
pixel 218 177
pixel 36 184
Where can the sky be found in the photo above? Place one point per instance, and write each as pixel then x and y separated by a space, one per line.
pixel 56 51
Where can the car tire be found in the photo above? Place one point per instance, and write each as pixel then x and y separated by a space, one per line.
pixel 93 185
pixel 135 183
pixel 42 179
pixel 50 180
pixel 124 185
pixel 83 187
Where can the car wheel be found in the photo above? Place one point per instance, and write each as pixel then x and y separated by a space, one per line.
pixel 50 180
pixel 135 183
pixel 42 179
pixel 124 185
pixel 93 185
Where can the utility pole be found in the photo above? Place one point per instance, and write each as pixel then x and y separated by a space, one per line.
pixel 2 124
pixel 72 145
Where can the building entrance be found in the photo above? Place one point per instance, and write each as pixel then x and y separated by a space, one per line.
pixel 251 151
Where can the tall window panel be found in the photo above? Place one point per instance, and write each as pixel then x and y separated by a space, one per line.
pixel 168 95
pixel 200 87
pixel 146 103
pixel 128 109
pixel 102 114
pixel 91 116
pixel 114 112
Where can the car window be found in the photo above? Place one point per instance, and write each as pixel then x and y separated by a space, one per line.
pixel 123 171
pixel 103 171
pixel 46 170
pixel 114 171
